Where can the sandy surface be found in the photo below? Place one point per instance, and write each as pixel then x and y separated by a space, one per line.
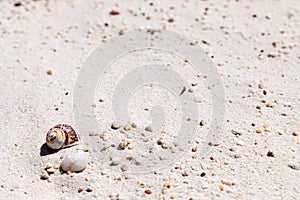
pixel 253 44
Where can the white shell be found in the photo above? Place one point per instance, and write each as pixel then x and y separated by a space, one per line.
pixel 61 136
pixel 75 162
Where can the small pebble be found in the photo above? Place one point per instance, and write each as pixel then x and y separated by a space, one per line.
pixel 3 186
pixel 229 190
pixel 141 184
pixel 269 105
pixel 237 156
pixel 163 132
pixel 17 4
pixel 148 191
pixel 45 175
pixel 191 90
pixel 293 166
pixel 232 149
pixel 80 189
pixel 159 142
pixel 170 20
pixel 124 168
pixel 240 143
pixel 115 161
pixel 89 189
pixel 202 123
pixel 221 187
pixel 184 174
pixel 258 131
pixel 130 146
pixel 121 31
pixel 49 72
pixel 167 185
pixel 264 92
pixel 295 133
pixel 133 125
pixel 123 144
pixel 127 127
pixel 149 129
pixel 226 183
pixel 115 125
pixel 94 134
pixel 51 170
pixel 16 187
pixel 114 12
pixel 194 149
pixel 270 154
pixel 236 133
pixel 165 145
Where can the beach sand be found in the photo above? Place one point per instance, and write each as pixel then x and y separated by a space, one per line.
pixel 254 46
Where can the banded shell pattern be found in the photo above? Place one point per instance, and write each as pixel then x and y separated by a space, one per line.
pixel 61 136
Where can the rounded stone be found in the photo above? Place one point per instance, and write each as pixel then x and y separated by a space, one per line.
pixel 124 168
pixel 75 162
pixel 44 175
pixel 51 170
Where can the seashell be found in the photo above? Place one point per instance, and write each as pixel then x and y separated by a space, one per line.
pixel 61 136
pixel 75 162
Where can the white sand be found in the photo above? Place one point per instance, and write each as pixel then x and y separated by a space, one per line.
pixel 58 36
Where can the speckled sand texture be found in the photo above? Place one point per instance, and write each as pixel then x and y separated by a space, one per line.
pixel 255 48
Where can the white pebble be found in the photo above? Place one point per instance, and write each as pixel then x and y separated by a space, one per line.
pixel 240 143
pixel 64 189
pixel 75 162
pixel 45 175
pixel 229 190
pixel 115 160
pixel 51 170
pixel 130 146
pixel 204 185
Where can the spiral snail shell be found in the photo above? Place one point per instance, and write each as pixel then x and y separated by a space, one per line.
pixel 61 136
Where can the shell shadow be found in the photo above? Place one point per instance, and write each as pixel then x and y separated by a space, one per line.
pixel 45 150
